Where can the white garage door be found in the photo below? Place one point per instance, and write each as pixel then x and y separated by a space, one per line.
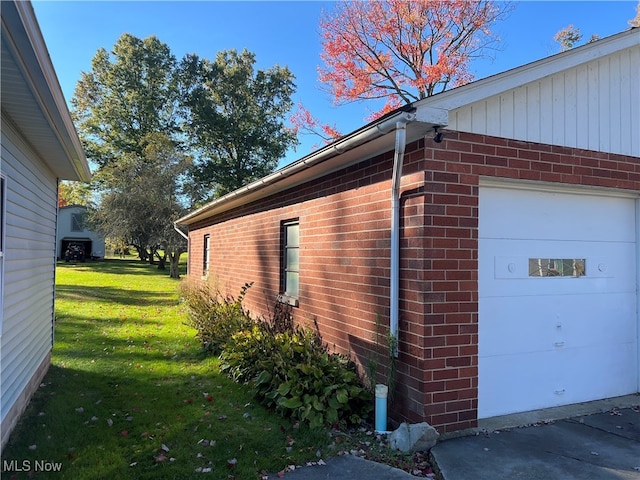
pixel 558 322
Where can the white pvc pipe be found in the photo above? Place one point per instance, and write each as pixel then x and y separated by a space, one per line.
pixel 381 408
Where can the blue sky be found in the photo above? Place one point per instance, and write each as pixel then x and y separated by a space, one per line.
pixel 286 33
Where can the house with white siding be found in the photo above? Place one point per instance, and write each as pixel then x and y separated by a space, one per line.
pixel 493 230
pixel 40 146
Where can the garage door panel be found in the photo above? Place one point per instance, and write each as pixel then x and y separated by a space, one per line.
pixel 537 216
pixel 555 330
pixel 543 379
pixel 589 371
pixel 552 325
pixel 522 388
pixel 606 267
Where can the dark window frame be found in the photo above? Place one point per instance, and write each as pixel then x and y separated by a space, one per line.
pixel 289 249
pixel 206 249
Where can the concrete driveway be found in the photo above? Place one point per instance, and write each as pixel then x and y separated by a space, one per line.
pixel 603 446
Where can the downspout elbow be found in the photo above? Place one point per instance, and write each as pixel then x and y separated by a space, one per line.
pixel 182 234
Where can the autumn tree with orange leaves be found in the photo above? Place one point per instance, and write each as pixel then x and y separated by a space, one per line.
pixel 400 51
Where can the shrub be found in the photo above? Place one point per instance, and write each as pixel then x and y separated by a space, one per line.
pixel 293 372
pixel 215 316
pixel 289 367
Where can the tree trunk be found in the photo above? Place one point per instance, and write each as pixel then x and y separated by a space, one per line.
pixel 174 264
pixel 142 253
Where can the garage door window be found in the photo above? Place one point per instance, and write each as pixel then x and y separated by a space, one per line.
pixel 557 267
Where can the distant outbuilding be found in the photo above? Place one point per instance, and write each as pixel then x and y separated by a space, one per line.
pixel 73 230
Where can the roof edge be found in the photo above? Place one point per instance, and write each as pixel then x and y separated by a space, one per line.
pixel 381 127
pixel 60 121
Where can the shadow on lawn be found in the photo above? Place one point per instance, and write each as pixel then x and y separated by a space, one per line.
pixel 100 424
pixel 109 426
pixel 123 267
pixel 141 298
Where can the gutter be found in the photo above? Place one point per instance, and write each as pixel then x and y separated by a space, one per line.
pixel 339 147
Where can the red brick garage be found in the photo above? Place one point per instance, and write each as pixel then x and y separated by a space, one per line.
pixel 529 128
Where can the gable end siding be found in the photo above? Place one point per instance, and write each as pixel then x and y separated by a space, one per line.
pixel 593 106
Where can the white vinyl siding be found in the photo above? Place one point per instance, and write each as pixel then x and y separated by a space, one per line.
pixel 586 106
pixel 29 265
pixel 3 182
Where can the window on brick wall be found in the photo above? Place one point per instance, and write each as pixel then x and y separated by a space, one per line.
pixel 205 253
pixel 290 271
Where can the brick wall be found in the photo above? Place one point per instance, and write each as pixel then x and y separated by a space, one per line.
pixel 345 248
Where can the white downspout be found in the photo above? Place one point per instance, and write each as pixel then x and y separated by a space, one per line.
pixel 186 237
pixel 182 234
pixel 394 300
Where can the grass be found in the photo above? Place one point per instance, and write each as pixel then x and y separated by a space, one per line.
pixel 130 394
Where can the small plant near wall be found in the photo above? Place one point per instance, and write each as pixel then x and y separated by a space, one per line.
pixel 385 346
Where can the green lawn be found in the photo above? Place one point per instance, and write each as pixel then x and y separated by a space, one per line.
pixel 130 395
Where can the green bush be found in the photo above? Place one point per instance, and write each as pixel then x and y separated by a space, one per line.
pixel 288 367
pixel 215 316
pixel 293 372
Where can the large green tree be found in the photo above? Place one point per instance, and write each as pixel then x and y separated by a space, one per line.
pixel 129 93
pixel 127 110
pixel 143 116
pixel 235 118
pixel 74 193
